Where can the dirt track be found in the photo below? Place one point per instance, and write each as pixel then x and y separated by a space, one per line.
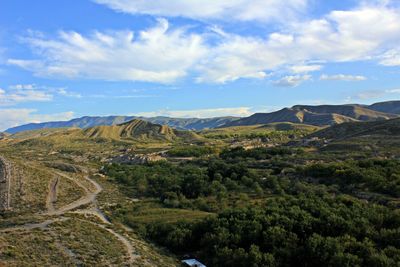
pixel 52 195
pixel 86 205
pixel 88 199
pixel 31 226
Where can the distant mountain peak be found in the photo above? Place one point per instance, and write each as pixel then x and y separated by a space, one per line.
pixel 88 121
pixel 322 115
pixel 319 115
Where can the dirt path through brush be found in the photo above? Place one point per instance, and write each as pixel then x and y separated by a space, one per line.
pixel 32 226
pixel 89 197
pixel 132 256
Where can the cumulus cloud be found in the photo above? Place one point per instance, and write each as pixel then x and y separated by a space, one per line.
pixel 14 117
pixel 164 54
pixel 292 80
pixel 343 77
pixel 237 57
pixel 154 55
pixel 242 10
pixel 200 113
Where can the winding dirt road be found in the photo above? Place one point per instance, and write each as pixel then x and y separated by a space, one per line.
pixel 89 198
pixel 132 256
pixel 52 195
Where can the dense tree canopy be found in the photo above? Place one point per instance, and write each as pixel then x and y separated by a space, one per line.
pixel 272 207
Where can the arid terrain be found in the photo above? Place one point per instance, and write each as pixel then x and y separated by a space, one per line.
pixel 142 194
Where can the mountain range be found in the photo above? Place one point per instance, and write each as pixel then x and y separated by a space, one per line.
pixel 321 115
pixel 87 122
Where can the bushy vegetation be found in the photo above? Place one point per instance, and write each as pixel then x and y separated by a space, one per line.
pixel 288 231
pixel 380 176
pixel 271 207
pixel 186 185
pixel 257 153
pixel 191 151
pixel 275 132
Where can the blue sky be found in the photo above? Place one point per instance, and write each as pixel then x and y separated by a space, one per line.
pixel 190 58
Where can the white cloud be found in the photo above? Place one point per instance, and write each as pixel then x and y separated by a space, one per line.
pixel 64 92
pixel 154 55
pixel 372 94
pixel 23 93
pixel 199 113
pixel 305 68
pixel 292 80
pixel 20 93
pixel 390 58
pixel 163 55
pixel 393 91
pixel 237 57
pixel 23 87
pixel 342 77
pixel 14 117
pixel 242 10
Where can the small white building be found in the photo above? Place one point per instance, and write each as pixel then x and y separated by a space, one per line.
pixel 193 263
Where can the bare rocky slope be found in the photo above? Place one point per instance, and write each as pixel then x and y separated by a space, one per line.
pixel 139 129
pixel 316 115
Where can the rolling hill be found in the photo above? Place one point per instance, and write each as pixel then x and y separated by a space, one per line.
pixel 392 107
pixel 138 129
pixel 389 128
pixel 132 130
pixel 3 135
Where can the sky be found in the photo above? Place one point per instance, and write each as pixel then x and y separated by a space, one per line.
pixel 193 58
